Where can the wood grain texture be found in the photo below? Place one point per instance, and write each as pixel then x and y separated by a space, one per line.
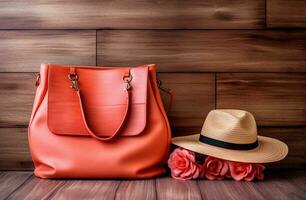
pixel 278 184
pixel 14 149
pixel 37 188
pixel 137 189
pixel 17 92
pixel 24 51
pixel 205 51
pixel 181 131
pixel 286 185
pixel 295 138
pixel 194 97
pixel 142 14
pixel 286 14
pixel 10 181
pixel 274 99
pixel 228 189
pixel 168 188
pixel 87 189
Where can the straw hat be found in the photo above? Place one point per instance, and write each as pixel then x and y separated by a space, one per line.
pixel 232 135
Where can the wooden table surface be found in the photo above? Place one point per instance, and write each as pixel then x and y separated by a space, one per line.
pixel 277 185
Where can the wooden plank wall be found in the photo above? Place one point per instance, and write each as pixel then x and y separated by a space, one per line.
pixel 214 54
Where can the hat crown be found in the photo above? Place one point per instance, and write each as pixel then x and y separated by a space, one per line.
pixel 233 126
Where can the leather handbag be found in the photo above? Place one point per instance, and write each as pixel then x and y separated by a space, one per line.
pixel 98 122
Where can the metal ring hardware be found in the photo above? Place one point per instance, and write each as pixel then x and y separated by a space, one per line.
pixel 74 81
pixel 127 78
pixel 37 82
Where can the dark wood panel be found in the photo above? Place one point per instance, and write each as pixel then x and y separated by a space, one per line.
pixel 36 188
pixel 129 14
pixel 286 14
pixel 168 188
pixel 295 138
pixel 24 51
pixel 137 189
pixel 194 97
pixel 14 149
pixel 17 92
pixel 274 99
pixel 10 181
pixel 205 51
pixel 87 189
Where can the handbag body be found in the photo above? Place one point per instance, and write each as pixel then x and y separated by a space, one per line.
pixel 98 122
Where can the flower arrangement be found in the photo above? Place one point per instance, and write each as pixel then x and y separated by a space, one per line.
pixel 186 165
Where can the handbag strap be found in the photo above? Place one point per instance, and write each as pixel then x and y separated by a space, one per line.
pixel 127 79
pixel 117 130
pixel 167 91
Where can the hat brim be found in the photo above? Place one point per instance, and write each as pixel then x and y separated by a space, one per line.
pixel 268 149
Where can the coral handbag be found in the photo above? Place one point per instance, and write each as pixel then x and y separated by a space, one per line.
pixel 98 122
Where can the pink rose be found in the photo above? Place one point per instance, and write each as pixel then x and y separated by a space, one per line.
pixel 246 171
pixel 240 171
pixel 215 168
pixel 259 171
pixel 183 164
pixel 228 174
pixel 252 174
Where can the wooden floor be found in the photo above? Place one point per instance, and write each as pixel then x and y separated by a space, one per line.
pixel 278 185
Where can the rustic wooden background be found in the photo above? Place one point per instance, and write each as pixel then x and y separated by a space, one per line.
pixel 244 54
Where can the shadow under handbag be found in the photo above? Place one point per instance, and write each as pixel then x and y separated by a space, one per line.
pixel 98 122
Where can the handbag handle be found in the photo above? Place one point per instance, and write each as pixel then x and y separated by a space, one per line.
pixel 127 79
